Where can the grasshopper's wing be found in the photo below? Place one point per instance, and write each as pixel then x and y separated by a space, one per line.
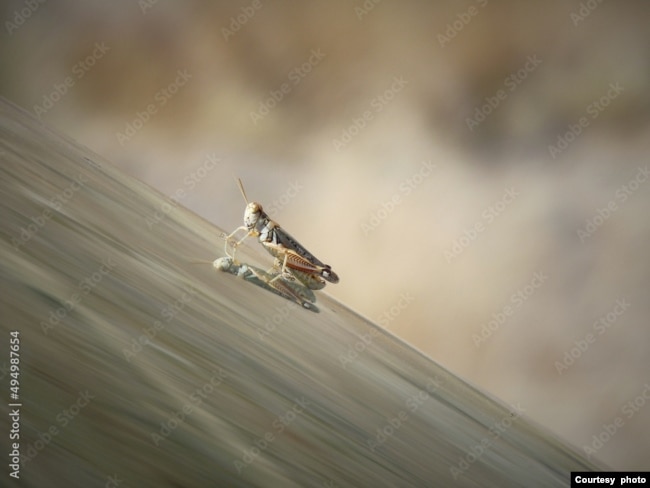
pixel 283 238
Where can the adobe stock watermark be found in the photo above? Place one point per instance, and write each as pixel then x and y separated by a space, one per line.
pixel 585 10
pixel 278 427
pixel 621 195
pixel 495 432
pixel 195 400
pixel 516 301
pixel 160 99
pixel 283 200
pixel 600 326
pixel 593 110
pixel 365 8
pixel 376 106
pixel 22 15
pixel 510 83
pixel 56 202
pixel 393 424
pixel 294 78
pixel 384 320
pixel 79 70
pixel 461 21
pixel 168 313
pixel 146 5
pixel 189 183
pixel 609 429
pixel 273 321
pixel 84 288
pixel 241 19
pixel 63 419
pixel 404 189
pixel 112 481
pixel 488 216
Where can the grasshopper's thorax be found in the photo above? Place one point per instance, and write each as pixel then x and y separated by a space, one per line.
pixel 252 214
pixel 266 232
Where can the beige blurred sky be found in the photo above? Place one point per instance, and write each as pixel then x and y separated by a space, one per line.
pixel 475 172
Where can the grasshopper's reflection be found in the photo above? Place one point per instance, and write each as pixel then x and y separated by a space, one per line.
pixel 293 291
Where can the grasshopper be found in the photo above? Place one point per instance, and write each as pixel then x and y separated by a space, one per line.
pixel 291 291
pixel 292 258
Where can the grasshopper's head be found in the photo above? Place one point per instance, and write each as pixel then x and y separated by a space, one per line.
pixel 252 214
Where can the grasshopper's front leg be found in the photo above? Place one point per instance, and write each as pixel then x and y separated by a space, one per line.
pixel 228 238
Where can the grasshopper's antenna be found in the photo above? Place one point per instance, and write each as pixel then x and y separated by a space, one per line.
pixel 241 188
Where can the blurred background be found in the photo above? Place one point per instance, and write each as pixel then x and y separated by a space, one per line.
pixel 475 172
